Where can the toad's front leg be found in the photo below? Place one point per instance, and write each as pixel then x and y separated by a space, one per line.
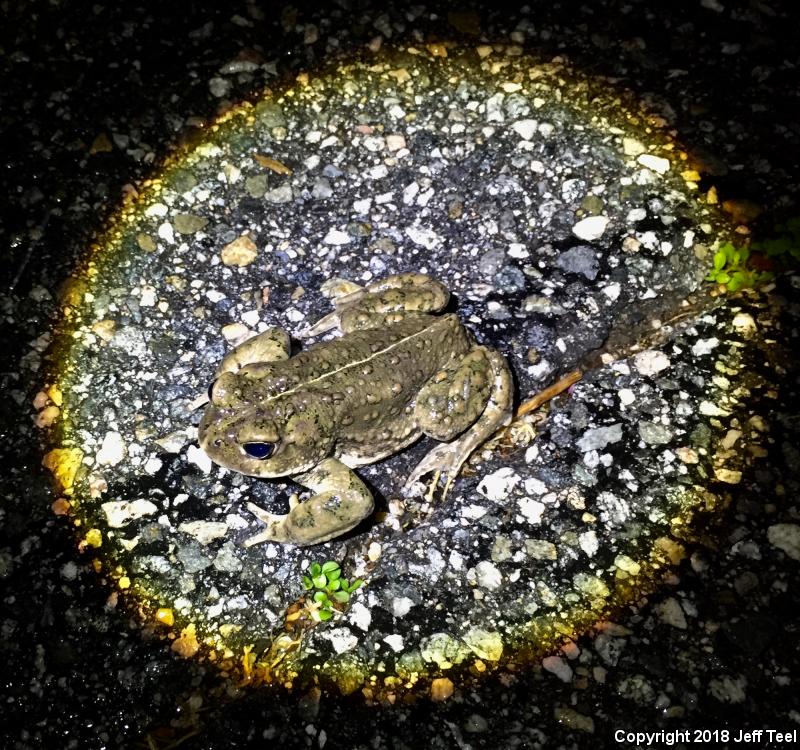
pixel 341 502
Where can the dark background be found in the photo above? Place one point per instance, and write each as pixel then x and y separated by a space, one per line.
pixel 92 97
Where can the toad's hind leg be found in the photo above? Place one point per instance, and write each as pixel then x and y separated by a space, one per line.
pixel 482 371
pixel 384 302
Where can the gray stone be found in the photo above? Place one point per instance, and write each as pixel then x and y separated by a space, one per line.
pixel 654 433
pixel 581 260
pixel 599 437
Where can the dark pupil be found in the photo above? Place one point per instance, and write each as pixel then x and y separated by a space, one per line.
pixel 210 389
pixel 259 450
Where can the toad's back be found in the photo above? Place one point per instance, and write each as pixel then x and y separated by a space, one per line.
pixel 371 379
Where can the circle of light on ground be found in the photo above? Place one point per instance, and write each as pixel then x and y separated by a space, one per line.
pixel 486 169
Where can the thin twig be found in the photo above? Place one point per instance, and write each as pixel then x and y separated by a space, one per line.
pixel 548 393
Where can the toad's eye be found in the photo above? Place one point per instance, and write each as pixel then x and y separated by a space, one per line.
pixel 259 450
pixel 211 390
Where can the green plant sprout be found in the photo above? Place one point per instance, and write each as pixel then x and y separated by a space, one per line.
pixel 329 589
pixel 733 266
pixel 730 268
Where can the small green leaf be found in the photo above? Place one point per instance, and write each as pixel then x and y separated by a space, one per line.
pixel 719 260
pixel 729 251
pixel 320 597
pixel 320 581
pixel 330 566
pixel 325 614
pixel 315 570
pixel 354 585
pixel 341 596
pixel 334 574
pixel 723 278
pixel 307 583
pixel 334 585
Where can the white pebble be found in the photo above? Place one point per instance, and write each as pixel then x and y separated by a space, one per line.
pixel 112 451
pixel 152 465
pixel 456 560
pixel 360 616
pixel 499 484
pixel 588 542
pixel 251 317
pixel 148 296
pixel 632 147
pixel 651 362
pixel 395 642
pixel 532 510
pixel 337 237
pixel 235 332
pixel 704 346
pixel 204 531
pixel 121 512
pixel 424 236
pixel 156 209
pixel 342 639
pixel 374 143
pixel 590 228
pixel 626 396
pixel 166 232
pixel 534 486
pixel 363 206
pixel 525 128
pixel 401 606
pixel 378 172
pixel 198 457
pixel 596 438
pixel 655 163
pixel 395 142
pixel 488 576
pixel 709 409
